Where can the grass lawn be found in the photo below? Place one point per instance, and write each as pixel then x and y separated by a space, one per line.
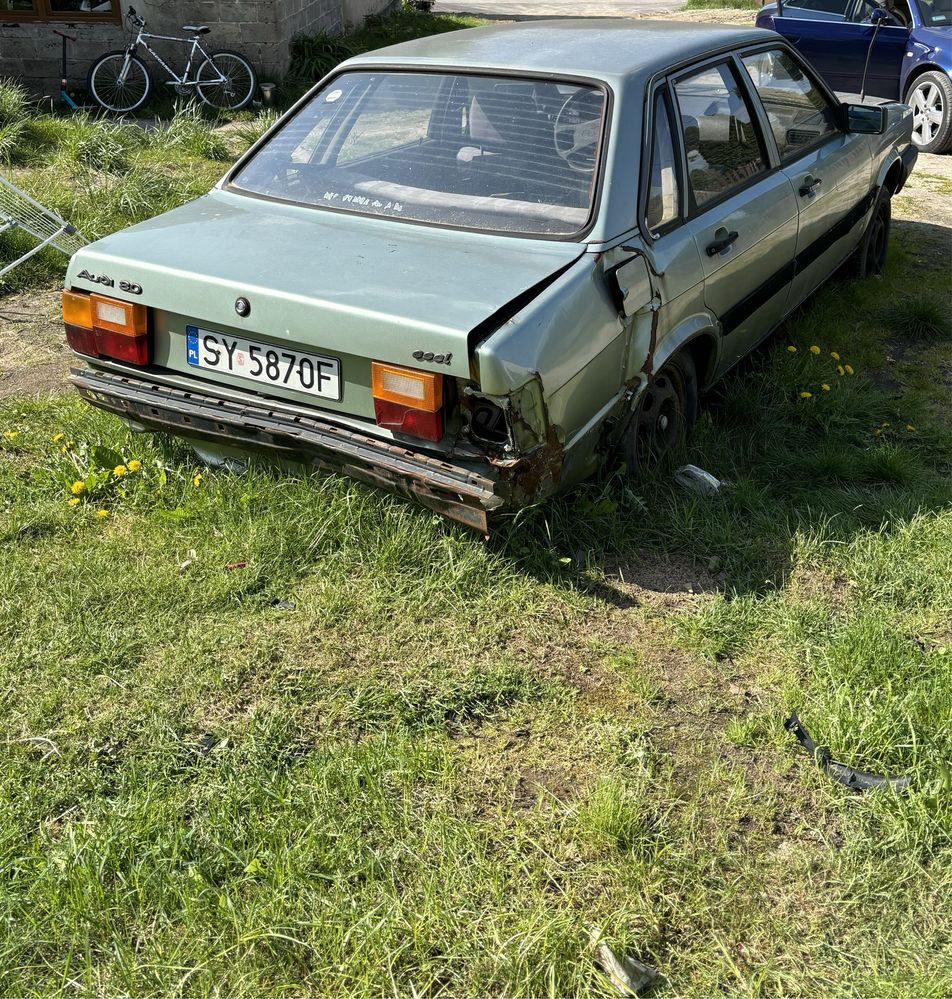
pixel 268 733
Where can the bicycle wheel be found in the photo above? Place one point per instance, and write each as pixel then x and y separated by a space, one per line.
pixel 119 82
pixel 226 80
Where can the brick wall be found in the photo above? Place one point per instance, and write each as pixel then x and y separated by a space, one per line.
pixel 261 29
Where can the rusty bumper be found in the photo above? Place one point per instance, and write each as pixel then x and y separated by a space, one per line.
pixel 452 490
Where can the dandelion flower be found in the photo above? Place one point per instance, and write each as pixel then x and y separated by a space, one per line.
pixel 840 370
pixel 77 487
pixel 849 369
pixel 791 349
pixel 12 435
pixel 884 424
pixel 197 479
pixel 134 465
pixel 910 428
pixel 58 437
pixel 119 471
pixel 825 387
pixel 74 501
pixel 877 433
pixel 806 395
pixel 814 349
pixel 834 355
pixel 102 514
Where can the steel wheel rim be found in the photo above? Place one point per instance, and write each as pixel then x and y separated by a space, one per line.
pixel 927 112
pixel 660 419
pixel 235 90
pixel 116 94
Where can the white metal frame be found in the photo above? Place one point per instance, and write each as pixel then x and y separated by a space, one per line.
pixel 19 211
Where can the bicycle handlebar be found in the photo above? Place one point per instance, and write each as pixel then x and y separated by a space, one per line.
pixel 136 19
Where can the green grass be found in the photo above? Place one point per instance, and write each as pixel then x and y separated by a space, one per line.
pixel 720 4
pixel 270 733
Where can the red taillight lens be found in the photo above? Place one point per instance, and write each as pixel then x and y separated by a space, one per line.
pixel 106 327
pixel 404 420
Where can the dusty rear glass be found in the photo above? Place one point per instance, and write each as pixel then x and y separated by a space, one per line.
pixel 478 152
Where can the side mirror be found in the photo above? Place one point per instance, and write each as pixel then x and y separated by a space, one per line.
pixel 864 119
pixel 879 16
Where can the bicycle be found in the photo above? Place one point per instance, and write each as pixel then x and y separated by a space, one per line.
pixel 120 81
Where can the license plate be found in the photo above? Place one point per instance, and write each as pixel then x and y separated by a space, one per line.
pixel 261 362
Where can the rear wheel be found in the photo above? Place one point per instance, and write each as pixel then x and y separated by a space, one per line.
pixel 666 416
pixel 930 98
pixel 226 80
pixel 119 81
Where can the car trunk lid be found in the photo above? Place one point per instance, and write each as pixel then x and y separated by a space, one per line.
pixel 352 287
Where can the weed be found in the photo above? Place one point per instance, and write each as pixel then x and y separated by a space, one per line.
pixel 922 317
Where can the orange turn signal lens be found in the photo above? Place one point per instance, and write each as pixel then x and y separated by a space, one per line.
pixel 118 317
pixel 422 390
pixel 77 309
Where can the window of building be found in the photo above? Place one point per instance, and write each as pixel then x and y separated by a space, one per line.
pixel 74 11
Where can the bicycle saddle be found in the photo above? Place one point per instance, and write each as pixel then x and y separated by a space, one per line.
pixel 196 29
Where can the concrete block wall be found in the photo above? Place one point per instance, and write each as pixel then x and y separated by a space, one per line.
pixel 261 29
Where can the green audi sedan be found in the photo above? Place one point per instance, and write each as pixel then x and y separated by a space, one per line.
pixel 474 267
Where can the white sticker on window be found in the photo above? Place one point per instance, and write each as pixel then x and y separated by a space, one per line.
pixel 334 95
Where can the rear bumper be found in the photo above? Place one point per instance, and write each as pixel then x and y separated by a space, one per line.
pixel 455 491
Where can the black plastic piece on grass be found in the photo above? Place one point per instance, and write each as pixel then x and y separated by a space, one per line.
pixel 858 780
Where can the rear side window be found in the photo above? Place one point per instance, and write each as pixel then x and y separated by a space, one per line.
pixel 506 154
pixel 721 142
pixel 799 113
pixel 664 196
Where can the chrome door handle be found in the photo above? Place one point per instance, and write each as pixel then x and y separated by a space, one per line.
pixel 721 242
pixel 809 185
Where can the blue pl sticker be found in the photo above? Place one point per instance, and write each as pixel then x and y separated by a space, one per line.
pixel 192 338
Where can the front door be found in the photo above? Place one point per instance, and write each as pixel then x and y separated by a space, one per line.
pixel 743 215
pixel 823 163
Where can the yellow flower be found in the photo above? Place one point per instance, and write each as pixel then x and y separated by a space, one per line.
pixel 77 487
pixel 825 387
pixel 877 433
pixel 814 349
pixel 849 369
pixel 197 479
pixel 791 349
pixel 74 501
pixel 806 395
pixel 134 465
pixel 834 355
pixel 910 428
pixel 102 514
pixel 58 437
pixel 885 424
pixel 12 435
pixel 840 370
pixel 119 471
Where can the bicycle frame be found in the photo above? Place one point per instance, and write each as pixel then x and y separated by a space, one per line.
pixel 175 80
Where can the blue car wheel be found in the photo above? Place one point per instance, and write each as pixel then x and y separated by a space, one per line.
pixel 930 98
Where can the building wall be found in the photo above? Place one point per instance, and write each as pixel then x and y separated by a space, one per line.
pixel 260 29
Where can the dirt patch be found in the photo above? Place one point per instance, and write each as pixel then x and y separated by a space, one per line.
pixel 642 579
pixel 34 357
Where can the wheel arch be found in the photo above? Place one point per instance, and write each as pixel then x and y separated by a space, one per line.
pixel 919 70
pixel 697 335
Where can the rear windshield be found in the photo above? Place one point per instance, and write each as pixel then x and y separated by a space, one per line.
pixel 478 152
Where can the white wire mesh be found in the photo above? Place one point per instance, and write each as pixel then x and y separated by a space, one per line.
pixel 28 214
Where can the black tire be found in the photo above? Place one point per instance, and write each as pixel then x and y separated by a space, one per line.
pixel 109 93
pixel 869 258
pixel 930 97
pixel 665 416
pixel 241 83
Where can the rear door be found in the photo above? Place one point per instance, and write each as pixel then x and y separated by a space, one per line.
pixel 828 169
pixel 743 211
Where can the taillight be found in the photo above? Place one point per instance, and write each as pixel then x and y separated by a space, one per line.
pixel 408 401
pixel 106 327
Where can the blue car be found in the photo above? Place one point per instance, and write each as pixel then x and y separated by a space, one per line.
pixel 897 49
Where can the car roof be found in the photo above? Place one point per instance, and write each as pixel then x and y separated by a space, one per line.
pixel 601 48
